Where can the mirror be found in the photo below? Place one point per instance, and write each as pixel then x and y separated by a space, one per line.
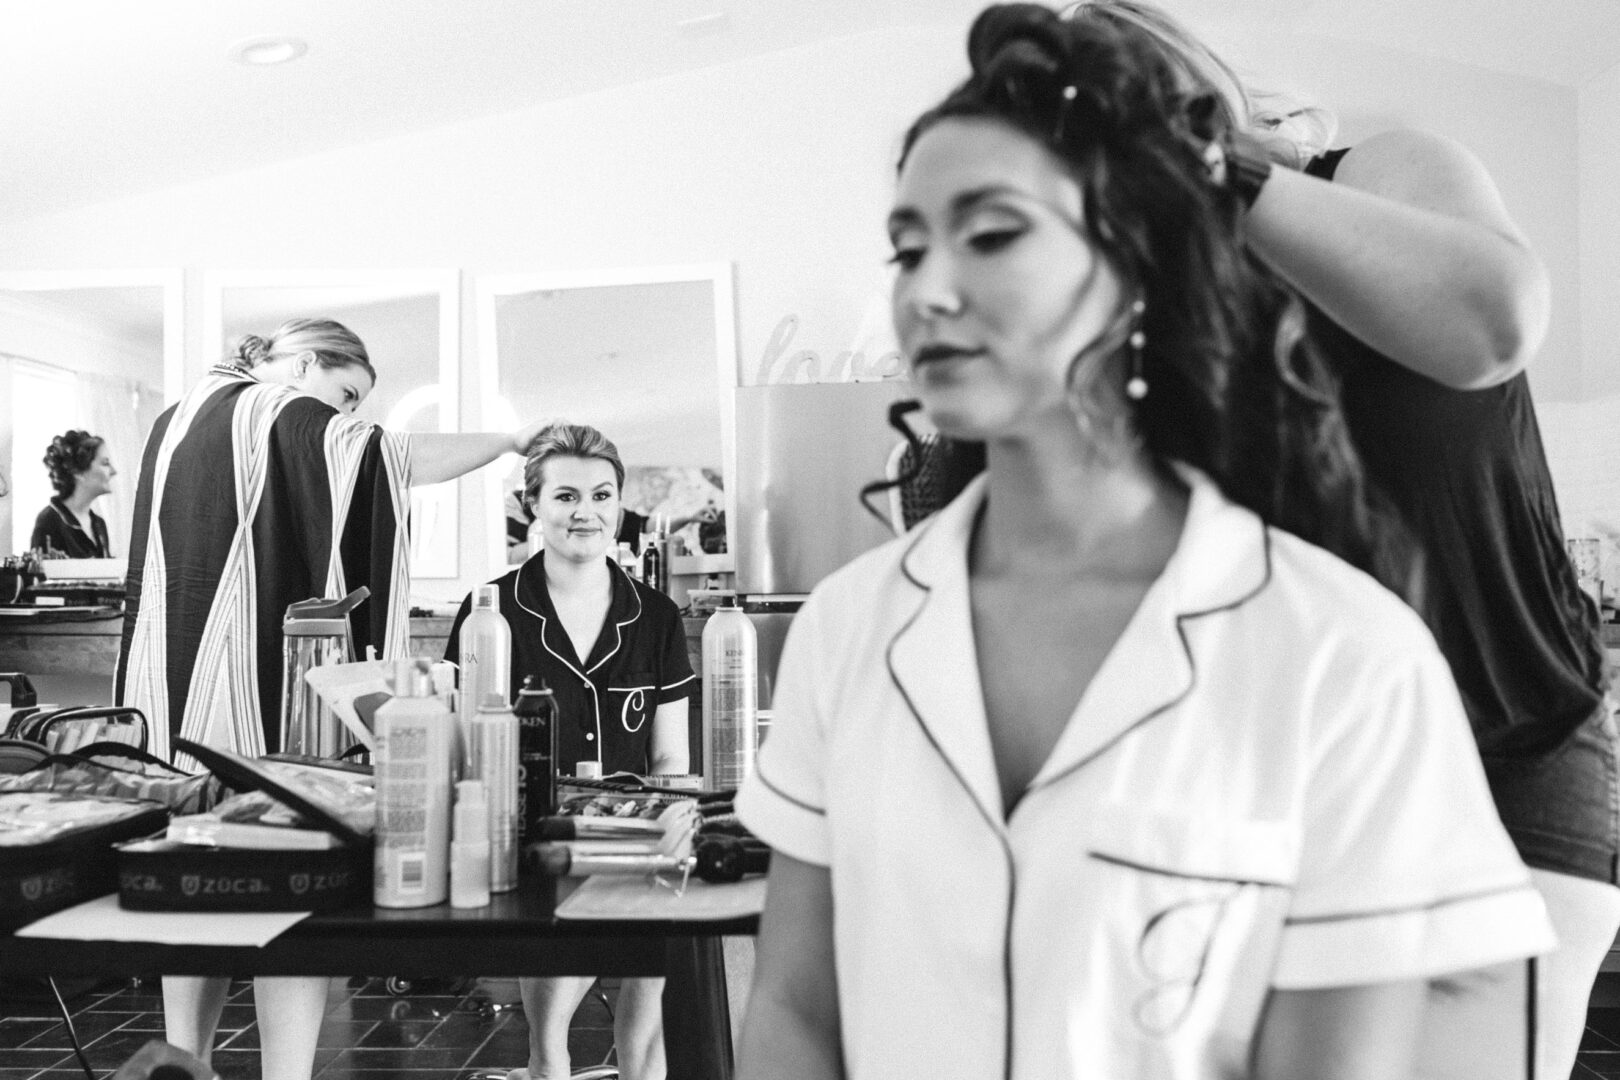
pixel 646 355
pixel 96 351
pixel 409 321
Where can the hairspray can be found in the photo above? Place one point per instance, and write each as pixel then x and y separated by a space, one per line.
pixel 486 660
pixel 494 739
pixel 412 767
pixel 652 563
pixel 730 698
pixel 536 712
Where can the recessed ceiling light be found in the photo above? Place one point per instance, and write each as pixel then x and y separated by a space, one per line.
pixel 264 51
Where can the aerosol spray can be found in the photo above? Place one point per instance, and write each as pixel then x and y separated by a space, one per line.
pixel 730 698
pixel 494 740
pixel 412 767
pixel 486 660
pixel 655 556
pixel 536 711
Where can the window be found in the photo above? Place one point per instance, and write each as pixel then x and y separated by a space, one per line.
pixel 44 403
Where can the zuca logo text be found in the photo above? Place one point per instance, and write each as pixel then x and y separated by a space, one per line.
pixel 302 883
pixel 40 886
pixel 192 885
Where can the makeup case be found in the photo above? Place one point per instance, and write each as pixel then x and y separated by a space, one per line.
pixel 56 848
pixel 161 874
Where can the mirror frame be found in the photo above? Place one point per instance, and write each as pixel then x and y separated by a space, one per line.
pixel 445 284
pixel 172 286
pixel 171 282
pixel 720 277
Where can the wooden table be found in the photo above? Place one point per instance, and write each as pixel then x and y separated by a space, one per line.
pixel 518 934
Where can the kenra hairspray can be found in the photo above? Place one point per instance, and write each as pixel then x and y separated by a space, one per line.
pixel 486 661
pixel 412 766
pixel 493 738
pixel 730 698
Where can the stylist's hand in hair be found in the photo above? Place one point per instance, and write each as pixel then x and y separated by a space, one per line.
pixel 524 436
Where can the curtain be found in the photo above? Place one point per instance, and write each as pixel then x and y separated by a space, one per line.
pixel 121 411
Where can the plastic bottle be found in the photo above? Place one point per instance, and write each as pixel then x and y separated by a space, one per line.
pixel 730 697
pixel 469 849
pixel 412 765
pixel 536 712
pixel 494 740
pixel 486 661
pixel 444 688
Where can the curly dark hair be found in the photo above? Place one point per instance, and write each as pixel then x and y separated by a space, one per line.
pixel 69 454
pixel 1237 389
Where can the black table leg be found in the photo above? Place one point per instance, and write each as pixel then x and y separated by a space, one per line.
pixel 697 1017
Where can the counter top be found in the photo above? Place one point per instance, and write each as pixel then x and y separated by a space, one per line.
pixel 86 642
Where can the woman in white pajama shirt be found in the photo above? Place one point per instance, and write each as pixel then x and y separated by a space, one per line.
pixel 1104 771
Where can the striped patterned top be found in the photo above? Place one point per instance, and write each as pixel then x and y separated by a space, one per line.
pixel 252 497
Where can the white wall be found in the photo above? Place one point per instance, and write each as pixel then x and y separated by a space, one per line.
pixel 781 164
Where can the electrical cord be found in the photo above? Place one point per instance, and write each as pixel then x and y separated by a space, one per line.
pixel 73 1032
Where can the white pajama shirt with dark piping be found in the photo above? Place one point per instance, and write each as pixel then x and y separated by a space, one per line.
pixel 1269 783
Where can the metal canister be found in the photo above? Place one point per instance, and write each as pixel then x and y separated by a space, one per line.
pixel 493 738
pixel 315 632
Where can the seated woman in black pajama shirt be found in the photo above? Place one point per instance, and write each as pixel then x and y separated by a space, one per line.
pixel 614 652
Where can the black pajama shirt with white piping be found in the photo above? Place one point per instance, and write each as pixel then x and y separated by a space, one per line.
pixel 607 701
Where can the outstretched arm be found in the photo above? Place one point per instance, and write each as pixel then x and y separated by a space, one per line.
pixel 1411 249
pixel 438 457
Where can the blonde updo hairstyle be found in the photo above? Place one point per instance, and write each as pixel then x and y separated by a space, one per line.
pixel 333 345
pixel 1292 131
pixel 567 440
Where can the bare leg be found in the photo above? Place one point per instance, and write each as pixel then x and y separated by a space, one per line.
pixel 289 1010
pixel 191 1008
pixel 548 1005
pixel 638 1030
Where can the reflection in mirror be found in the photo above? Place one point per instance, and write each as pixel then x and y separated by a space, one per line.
pixel 409 322
pixel 648 356
pixel 98 352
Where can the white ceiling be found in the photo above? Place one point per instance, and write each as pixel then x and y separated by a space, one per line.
pixel 106 98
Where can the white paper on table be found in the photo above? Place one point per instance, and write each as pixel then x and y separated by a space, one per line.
pixel 102 919
pixel 637 896
pixel 339 684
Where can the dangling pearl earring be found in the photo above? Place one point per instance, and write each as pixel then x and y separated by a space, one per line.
pixel 1136 387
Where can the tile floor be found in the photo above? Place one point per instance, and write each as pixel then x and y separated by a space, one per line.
pixel 438 1031
pixel 1600 1047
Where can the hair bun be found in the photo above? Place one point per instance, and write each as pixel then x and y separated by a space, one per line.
pixel 1057 75
pixel 251 350
pixel 1034 34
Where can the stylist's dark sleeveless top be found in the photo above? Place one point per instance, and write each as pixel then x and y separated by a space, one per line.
pixel 1467 471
